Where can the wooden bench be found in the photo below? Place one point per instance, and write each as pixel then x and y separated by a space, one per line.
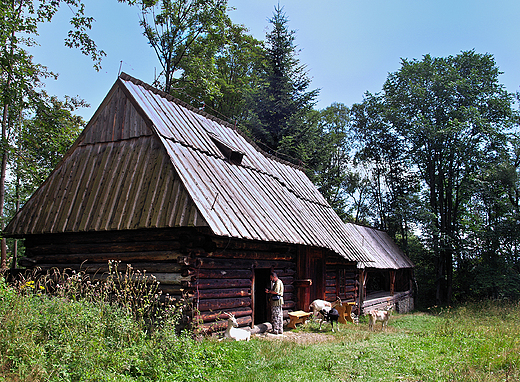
pixel 298 317
pixel 344 312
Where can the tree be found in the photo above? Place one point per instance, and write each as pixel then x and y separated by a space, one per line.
pixel 446 116
pixel 393 188
pixel 20 77
pixel 173 26
pixel 281 102
pixel 221 71
pixel 330 162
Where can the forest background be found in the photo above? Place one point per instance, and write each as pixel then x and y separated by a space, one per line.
pixel 432 158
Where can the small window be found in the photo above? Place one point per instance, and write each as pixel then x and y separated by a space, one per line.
pixel 230 152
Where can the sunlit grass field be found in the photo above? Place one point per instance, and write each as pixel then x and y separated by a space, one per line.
pixel 62 339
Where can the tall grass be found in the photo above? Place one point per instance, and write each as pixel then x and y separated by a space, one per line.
pixel 73 338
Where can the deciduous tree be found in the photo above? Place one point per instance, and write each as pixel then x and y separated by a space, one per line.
pixel 446 116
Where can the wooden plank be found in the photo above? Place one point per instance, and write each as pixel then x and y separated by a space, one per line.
pixel 223 293
pixel 111 187
pixel 114 197
pixel 149 188
pixel 220 273
pixel 225 263
pixel 223 303
pixel 211 327
pixel 162 190
pixel 90 191
pixel 209 316
pixel 102 267
pixel 94 201
pixel 101 257
pixel 118 215
pixel 135 182
pixel 80 175
pixel 252 255
pixel 72 248
pixel 220 283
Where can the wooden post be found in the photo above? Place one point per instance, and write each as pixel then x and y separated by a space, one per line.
pixel 362 280
pixel 302 273
pixel 392 282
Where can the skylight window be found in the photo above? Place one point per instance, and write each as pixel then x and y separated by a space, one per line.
pixel 230 152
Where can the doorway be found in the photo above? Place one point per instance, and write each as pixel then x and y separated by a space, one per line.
pixel 261 281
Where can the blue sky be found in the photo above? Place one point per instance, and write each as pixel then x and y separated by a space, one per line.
pixel 349 46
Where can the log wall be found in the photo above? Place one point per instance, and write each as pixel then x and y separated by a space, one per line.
pixel 222 280
pixel 162 253
pixel 216 273
pixel 341 279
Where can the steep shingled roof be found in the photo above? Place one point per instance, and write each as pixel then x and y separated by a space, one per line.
pixel 147 160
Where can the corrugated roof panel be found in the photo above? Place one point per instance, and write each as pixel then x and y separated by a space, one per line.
pixel 383 250
pixel 262 199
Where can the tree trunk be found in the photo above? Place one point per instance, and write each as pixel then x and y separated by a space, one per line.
pixel 3 170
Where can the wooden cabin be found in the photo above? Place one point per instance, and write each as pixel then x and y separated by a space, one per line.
pixel 155 183
pixel 388 279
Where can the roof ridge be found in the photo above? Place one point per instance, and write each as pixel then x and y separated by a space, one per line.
pixel 169 97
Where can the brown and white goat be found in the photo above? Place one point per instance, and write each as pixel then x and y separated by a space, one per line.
pixel 378 315
pixel 318 305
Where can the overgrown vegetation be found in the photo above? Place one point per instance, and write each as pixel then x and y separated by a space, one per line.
pixel 76 338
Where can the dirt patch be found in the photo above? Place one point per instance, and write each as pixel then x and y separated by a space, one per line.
pixel 298 337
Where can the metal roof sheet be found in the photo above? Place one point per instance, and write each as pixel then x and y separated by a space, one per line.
pixel 260 199
pixel 383 250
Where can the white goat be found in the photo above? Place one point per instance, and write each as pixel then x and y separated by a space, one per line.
pixel 378 315
pixel 318 305
pixel 233 333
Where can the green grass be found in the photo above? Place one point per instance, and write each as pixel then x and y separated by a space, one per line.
pixel 60 339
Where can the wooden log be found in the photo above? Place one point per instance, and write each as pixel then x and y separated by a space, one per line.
pixel 287 296
pixel 221 315
pixel 340 264
pixel 195 236
pixel 236 244
pixel 103 267
pixel 211 327
pixel 223 293
pixel 330 283
pixel 216 263
pixel 252 255
pixel 173 290
pixel 219 283
pixel 285 272
pixel 161 278
pixel 287 280
pixel 219 273
pixel 78 258
pixel 93 247
pixel 331 275
pixel 289 304
pixel 330 297
pixel 216 304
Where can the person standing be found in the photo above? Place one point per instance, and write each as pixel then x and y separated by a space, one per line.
pixel 276 302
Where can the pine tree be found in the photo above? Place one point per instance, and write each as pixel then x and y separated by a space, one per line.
pixel 282 101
